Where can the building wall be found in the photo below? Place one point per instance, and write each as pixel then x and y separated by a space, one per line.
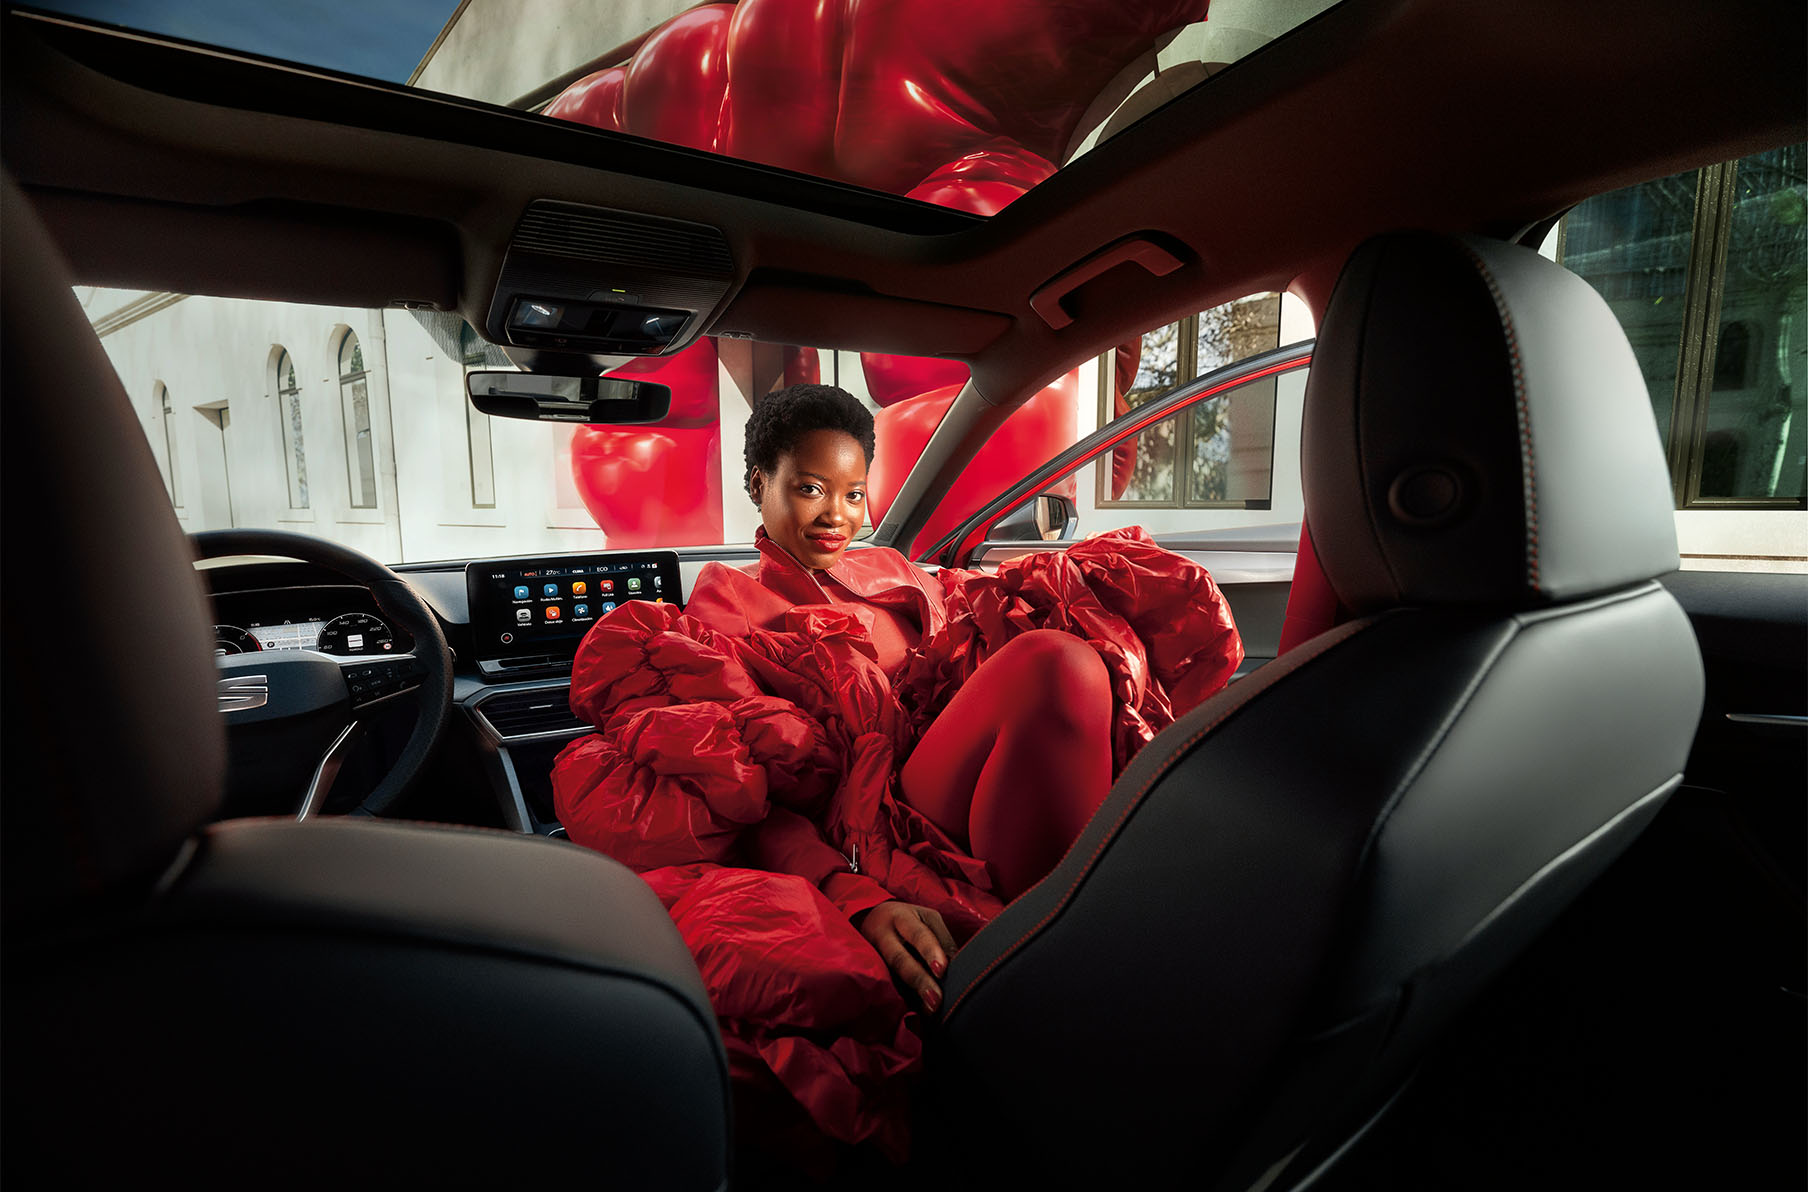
pixel 215 354
pixel 491 52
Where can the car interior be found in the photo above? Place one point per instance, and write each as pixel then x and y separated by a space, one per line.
pixel 1486 871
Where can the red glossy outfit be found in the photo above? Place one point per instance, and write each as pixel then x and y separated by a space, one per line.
pixel 790 751
pixel 1020 759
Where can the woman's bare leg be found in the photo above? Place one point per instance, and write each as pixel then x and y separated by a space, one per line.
pixel 1020 758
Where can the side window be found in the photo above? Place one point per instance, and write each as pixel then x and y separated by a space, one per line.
pixel 1708 273
pixel 1228 459
pixel 1221 456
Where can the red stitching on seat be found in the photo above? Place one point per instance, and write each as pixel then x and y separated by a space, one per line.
pixel 1295 660
pixel 1528 467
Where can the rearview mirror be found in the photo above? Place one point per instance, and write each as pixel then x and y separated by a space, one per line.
pixel 596 400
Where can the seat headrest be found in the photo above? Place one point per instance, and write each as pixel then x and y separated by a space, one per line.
pixel 114 749
pixel 1477 430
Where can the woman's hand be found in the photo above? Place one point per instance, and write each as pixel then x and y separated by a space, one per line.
pixel 915 945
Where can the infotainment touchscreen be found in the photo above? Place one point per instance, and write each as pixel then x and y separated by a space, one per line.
pixel 543 607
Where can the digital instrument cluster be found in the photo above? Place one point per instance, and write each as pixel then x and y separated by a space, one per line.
pixel 329 620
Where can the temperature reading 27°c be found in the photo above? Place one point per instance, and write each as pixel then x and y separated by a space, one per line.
pixel 356 633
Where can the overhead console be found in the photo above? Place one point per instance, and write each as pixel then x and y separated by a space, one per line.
pixel 529 615
pixel 591 281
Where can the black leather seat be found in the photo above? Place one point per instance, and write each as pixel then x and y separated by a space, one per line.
pixel 265 1002
pixel 1292 889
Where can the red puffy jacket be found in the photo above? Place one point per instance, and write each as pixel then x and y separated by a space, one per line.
pixel 745 765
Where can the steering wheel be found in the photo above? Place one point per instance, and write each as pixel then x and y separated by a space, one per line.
pixel 295 700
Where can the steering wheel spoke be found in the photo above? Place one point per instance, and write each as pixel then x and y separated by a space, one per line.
pixel 327 772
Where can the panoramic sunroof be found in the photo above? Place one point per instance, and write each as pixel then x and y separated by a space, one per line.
pixel 962 104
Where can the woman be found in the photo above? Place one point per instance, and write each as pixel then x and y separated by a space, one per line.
pixel 836 755
pixel 1020 758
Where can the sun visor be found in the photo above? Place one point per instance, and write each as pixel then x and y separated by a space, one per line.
pixel 597 282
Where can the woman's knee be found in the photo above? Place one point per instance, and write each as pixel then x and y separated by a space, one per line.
pixel 1056 666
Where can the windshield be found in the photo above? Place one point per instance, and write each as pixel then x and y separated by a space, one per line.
pixel 958 104
pixel 354 425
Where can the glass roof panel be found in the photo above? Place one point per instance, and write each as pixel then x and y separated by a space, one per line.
pixel 950 102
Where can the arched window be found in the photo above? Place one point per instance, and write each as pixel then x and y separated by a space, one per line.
pixel 168 414
pixel 477 426
pixel 360 452
pixel 288 412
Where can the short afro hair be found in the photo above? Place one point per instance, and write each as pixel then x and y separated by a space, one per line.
pixel 783 417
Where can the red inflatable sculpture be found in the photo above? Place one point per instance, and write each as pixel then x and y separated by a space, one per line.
pixel 967 105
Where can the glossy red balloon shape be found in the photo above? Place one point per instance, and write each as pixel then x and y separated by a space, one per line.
pixel 802 366
pixel 1125 361
pixel 693 376
pixel 639 499
pixel 784 98
pixel 1041 428
pixel 984 181
pixel 595 99
pixel 892 379
pixel 649 487
pixel 927 82
pixel 678 78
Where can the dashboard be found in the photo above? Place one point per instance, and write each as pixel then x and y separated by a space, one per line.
pixel 513 626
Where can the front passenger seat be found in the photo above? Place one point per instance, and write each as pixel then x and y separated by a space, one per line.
pixel 1294 887
pixel 264 1003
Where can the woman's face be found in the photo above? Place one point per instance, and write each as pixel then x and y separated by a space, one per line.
pixel 815 501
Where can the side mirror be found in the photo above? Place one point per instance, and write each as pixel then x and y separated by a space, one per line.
pixel 1043 518
pixel 595 400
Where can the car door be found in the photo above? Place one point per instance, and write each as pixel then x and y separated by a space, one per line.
pixel 1209 467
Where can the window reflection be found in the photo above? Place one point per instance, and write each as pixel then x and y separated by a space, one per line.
pixel 1633 246
pixel 1752 437
pixel 1707 273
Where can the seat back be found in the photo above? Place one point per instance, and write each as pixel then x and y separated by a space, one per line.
pixel 266 1003
pixel 1291 889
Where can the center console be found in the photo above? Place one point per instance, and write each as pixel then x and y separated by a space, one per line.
pixel 527 618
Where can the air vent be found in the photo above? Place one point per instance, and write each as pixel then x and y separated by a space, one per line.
pixel 588 234
pixel 528 713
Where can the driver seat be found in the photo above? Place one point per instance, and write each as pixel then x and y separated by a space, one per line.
pixel 265 1002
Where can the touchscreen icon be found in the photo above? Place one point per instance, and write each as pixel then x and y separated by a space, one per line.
pixel 549 590
pixel 523 616
pixel 579 587
pixel 580 610
pixel 656 583
pixel 520 591
pixel 552 612
pixel 605 585
pixel 633 583
pixel 608 606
